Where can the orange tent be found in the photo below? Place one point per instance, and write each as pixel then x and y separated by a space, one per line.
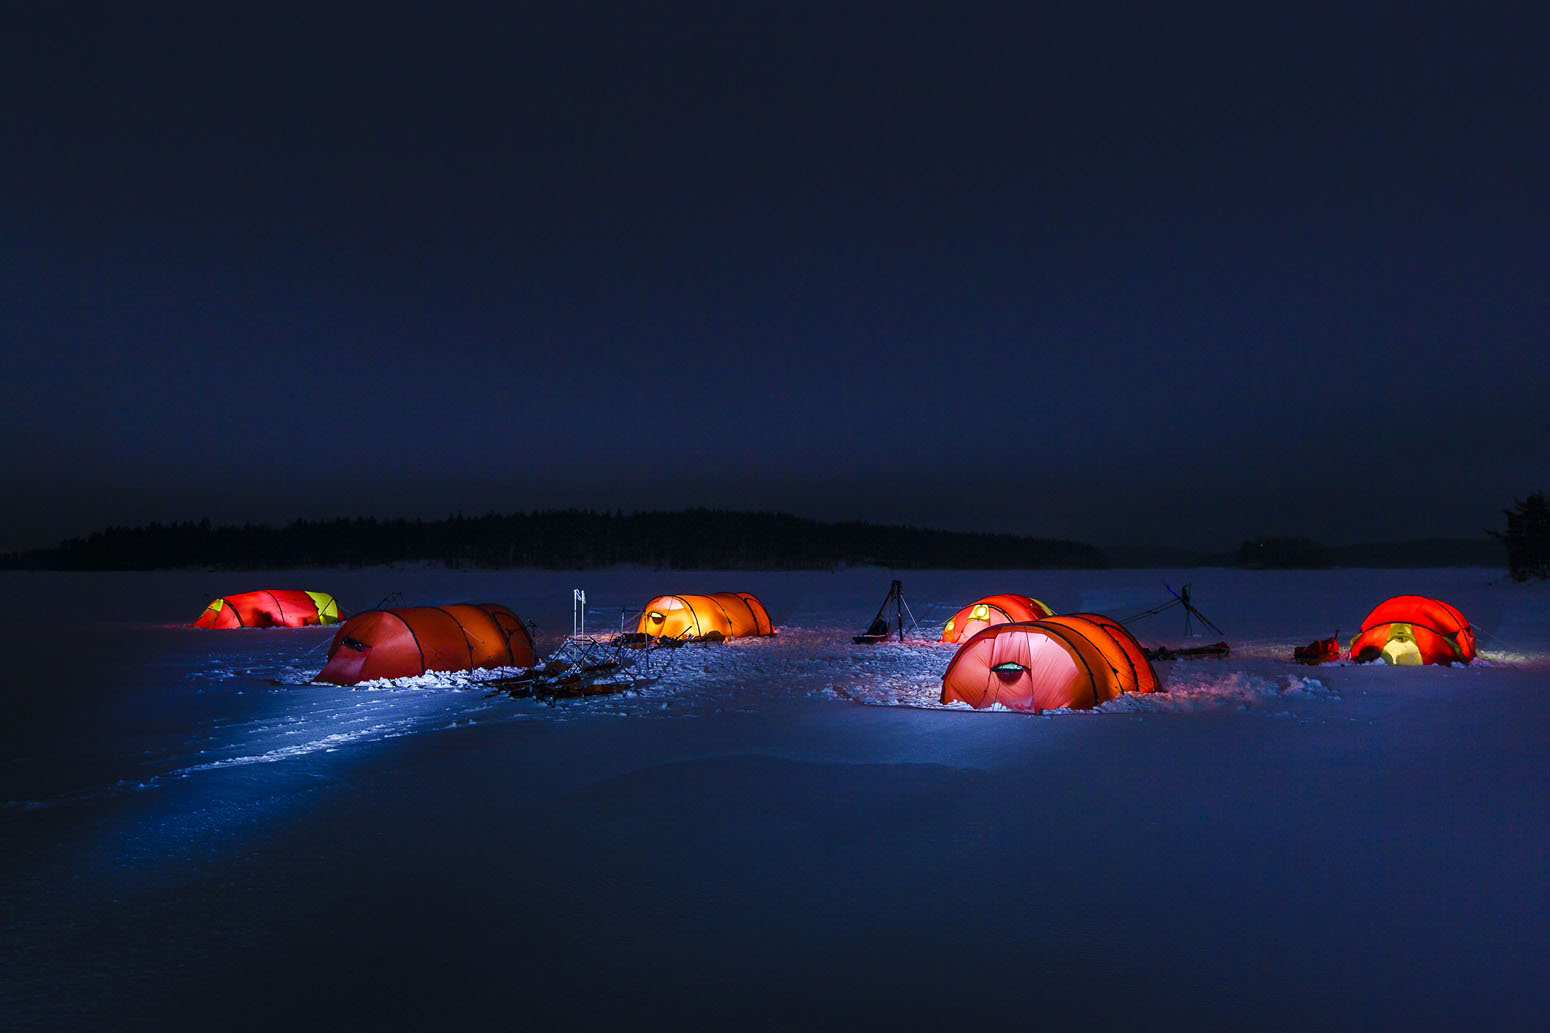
pixel 991 610
pixel 1146 678
pixel 275 608
pixel 412 640
pixel 1411 630
pixel 688 617
pixel 1070 661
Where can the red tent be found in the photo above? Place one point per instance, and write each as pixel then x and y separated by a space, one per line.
pixel 272 608
pixel 412 640
pixel 993 609
pixel 1070 661
pixel 1411 630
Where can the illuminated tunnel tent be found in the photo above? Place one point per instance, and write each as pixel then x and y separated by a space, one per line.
pixel 688 617
pixel 274 608
pixel 1145 675
pixel 1411 630
pixel 411 640
pixel 1070 661
pixel 991 610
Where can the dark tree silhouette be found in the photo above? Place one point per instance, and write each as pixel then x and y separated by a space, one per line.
pixel 559 540
pixel 1527 538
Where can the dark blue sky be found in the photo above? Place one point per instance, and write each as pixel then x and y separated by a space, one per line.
pixel 1124 273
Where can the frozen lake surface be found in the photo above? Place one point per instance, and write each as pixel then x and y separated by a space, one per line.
pixel 195 836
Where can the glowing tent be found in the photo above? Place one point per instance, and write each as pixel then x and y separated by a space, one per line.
pixel 1146 677
pixel 277 608
pixel 688 617
pixel 1411 630
pixel 1071 661
pixel 412 640
pixel 991 610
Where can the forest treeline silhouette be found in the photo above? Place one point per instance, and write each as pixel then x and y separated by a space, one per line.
pixel 707 539
pixel 695 539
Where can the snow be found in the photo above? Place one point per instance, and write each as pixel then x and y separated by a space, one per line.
pixel 781 832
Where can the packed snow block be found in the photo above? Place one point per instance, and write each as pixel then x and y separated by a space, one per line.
pixel 1411 630
pixel 269 608
pixel 1076 662
pixel 1004 608
pixel 688 618
pixel 409 641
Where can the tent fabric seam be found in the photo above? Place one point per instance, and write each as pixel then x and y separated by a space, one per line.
pixel 415 638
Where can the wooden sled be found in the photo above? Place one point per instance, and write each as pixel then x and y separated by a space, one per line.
pixel 1215 651
pixel 588 667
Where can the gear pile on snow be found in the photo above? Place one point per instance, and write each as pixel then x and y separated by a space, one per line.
pixel 585 666
pixel 1322 651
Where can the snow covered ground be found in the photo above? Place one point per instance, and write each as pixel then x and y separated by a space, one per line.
pixel 784 832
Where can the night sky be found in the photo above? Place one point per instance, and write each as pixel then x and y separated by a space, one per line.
pixel 1132 274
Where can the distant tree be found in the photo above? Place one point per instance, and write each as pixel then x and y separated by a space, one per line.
pixel 1298 553
pixel 1527 538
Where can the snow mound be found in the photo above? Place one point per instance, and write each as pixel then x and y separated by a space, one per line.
pixel 440 680
pixel 1234 688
